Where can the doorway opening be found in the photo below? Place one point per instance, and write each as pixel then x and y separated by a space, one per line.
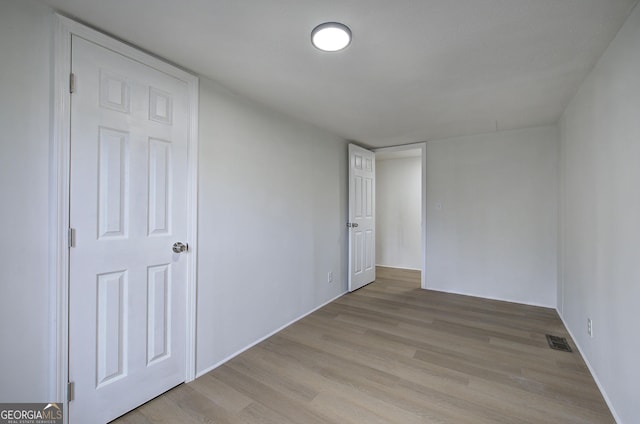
pixel 401 213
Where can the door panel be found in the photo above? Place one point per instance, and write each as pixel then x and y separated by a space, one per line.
pixel 159 313
pixel 362 242
pixel 159 186
pixel 112 327
pixel 127 298
pixel 113 184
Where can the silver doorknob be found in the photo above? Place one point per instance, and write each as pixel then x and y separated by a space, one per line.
pixel 180 247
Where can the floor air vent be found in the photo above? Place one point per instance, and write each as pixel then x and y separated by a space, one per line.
pixel 558 343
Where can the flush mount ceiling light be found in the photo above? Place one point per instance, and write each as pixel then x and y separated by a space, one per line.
pixel 331 36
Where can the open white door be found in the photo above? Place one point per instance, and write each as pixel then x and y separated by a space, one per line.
pixel 128 197
pixel 362 222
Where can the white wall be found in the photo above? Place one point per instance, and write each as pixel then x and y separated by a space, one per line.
pixel 273 208
pixel 492 215
pixel 600 168
pixel 398 210
pixel 25 49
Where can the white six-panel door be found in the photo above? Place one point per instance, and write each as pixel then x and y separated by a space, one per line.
pixel 362 223
pixel 129 133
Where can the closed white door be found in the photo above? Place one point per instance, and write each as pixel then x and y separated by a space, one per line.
pixel 127 298
pixel 362 222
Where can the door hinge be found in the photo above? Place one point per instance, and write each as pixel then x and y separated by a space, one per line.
pixel 72 83
pixel 71 387
pixel 71 237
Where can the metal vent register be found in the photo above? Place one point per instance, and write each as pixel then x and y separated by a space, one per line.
pixel 558 343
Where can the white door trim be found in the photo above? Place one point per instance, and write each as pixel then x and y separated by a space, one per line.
pixel 423 214
pixel 59 195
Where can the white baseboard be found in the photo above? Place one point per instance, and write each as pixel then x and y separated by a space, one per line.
pixel 233 355
pixel 592 371
pixel 399 267
pixel 519 302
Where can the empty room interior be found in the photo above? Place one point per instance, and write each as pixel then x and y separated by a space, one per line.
pixel 209 216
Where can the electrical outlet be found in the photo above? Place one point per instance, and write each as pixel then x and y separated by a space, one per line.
pixel 330 277
pixel 589 327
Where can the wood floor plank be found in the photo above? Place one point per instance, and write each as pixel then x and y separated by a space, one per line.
pixel 257 413
pixel 221 393
pixel 291 408
pixel 398 274
pixel 394 353
pixel 199 407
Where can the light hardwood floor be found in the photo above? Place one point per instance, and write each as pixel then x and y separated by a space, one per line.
pixel 399 274
pixel 392 353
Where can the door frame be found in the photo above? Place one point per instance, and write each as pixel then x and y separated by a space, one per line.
pixel 423 188
pixel 59 187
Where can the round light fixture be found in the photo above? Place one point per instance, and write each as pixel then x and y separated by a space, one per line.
pixel 331 36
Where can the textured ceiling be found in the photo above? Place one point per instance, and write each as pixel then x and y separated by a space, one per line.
pixel 415 71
